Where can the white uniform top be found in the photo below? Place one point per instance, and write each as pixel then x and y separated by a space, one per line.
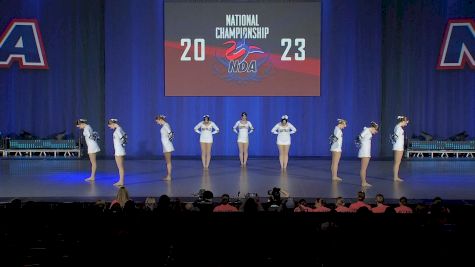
pixel 365 149
pixel 243 134
pixel 336 147
pixel 283 133
pixel 399 145
pixel 166 143
pixel 92 146
pixel 117 136
pixel 206 131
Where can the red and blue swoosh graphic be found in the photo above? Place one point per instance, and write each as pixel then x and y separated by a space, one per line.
pixel 240 50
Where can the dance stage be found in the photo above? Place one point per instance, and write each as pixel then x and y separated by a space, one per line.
pixel 63 179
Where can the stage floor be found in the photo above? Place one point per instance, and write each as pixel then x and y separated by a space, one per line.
pixel 63 179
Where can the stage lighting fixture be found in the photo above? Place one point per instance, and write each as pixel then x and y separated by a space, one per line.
pixel 427 136
pixel 60 136
pixel 459 137
pixel 26 135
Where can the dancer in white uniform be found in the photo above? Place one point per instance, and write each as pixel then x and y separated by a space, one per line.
pixel 336 140
pixel 398 145
pixel 283 129
pixel 365 150
pixel 120 139
pixel 166 137
pixel 92 147
pixel 245 128
pixel 205 129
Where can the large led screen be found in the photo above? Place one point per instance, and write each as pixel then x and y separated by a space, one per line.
pixel 242 48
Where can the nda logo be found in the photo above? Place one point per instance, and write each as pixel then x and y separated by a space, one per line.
pixel 458 45
pixel 21 41
pixel 243 62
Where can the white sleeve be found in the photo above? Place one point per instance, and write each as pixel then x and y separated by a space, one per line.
pixel 250 127
pixel 167 128
pixel 215 127
pixel 197 127
pixel 366 133
pixel 294 130
pixel 399 131
pixel 362 134
pixel 235 126
pixel 337 133
pixel 274 130
pixel 120 133
pixel 88 132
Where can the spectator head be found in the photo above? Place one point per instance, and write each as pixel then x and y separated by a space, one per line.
pixel 290 204
pixel 129 206
pixel 361 196
pixel 189 206
pixel 320 202
pixel 177 206
pixel 302 202
pixel 15 203
pixel 420 208
pixel 164 200
pixel 122 196
pixel 437 201
pixel 164 204
pixel 379 199
pixel 100 205
pixel 150 203
pixel 224 199
pixel 250 206
pixel 437 207
pixel 274 194
pixel 340 202
pixel 208 196
pixel 116 208
pixel 403 201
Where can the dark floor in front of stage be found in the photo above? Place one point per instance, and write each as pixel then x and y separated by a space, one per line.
pixel 46 179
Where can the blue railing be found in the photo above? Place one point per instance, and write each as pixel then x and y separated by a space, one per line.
pixel 441 145
pixel 42 144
